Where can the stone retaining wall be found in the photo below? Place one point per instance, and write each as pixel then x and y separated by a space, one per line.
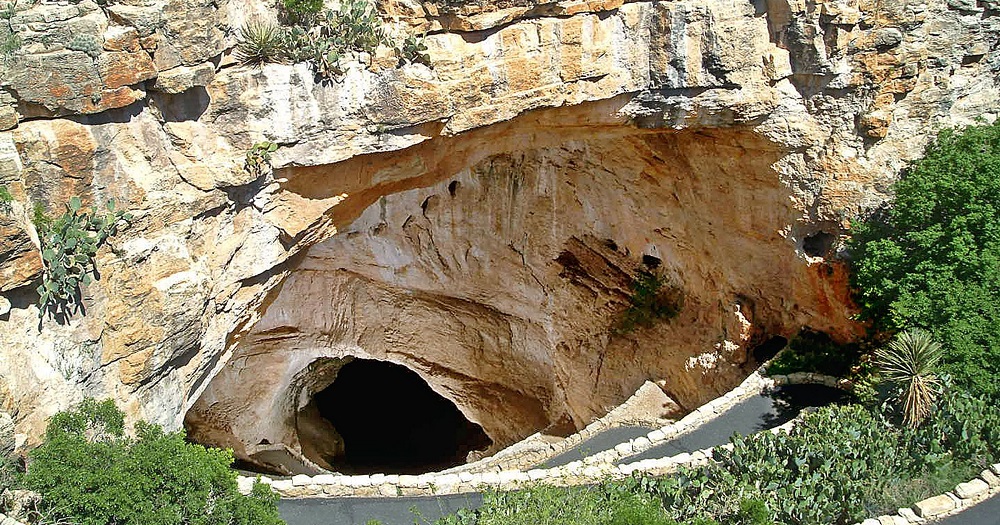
pixel 965 495
pixel 588 470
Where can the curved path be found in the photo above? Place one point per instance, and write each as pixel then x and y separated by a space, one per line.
pixel 983 513
pixel 751 415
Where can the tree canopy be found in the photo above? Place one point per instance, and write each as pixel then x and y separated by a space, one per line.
pixel 931 259
pixel 90 471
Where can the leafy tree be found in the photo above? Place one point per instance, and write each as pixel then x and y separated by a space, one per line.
pixel 932 260
pixel 91 472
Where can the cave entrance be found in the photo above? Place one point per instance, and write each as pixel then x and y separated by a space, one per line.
pixel 391 421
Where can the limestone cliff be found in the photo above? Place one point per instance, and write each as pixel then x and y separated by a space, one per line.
pixel 478 221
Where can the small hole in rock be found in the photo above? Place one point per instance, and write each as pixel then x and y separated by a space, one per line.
pixel 453 187
pixel 651 261
pixel 818 244
pixel 611 244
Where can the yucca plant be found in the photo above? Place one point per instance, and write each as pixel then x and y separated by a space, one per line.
pixel 910 362
pixel 260 43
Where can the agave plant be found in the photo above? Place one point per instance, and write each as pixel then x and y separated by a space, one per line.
pixel 260 43
pixel 910 362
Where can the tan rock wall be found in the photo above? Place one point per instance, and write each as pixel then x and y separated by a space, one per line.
pixel 723 133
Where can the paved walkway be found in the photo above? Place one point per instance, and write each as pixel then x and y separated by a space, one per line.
pixel 751 415
pixel 602 441
pixel 985 513
pixel 759 412
pixel 421 510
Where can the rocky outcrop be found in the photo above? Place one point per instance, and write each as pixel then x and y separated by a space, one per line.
pixel 479 222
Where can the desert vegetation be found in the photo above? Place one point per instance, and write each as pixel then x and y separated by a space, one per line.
pixel 322 37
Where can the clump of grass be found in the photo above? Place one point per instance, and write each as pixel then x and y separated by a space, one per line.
pixel 259 43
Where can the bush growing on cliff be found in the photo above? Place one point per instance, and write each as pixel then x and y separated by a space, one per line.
pixel 932 260
pixel 69 245
pixel 89 471
pixel 652 300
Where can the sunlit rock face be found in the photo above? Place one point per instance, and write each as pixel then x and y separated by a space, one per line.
pixel 502 284
pixel 479 223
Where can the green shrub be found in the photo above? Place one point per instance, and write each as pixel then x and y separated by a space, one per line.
pixel 414 51
pixel 260 43
pixel 5 199
pixel 932 260
pixel 258 159
pixel 301 11
pixel 910 362
pixel 90 472
pixel 69 244
pixel 355 26
pixel 652 300
pixel 815 352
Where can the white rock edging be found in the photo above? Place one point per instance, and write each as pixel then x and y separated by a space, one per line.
pixel 587 470
pixel 964 496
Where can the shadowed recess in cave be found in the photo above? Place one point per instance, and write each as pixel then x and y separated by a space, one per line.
pixel 392 422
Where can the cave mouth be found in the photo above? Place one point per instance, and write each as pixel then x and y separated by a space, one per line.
pixel 390 421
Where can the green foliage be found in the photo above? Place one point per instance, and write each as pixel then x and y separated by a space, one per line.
pixel 91 472
pixel 317 36
pixel 258 159
pixel 89 44
pixel 910 362
pixel 69 244
pixel 414 51
pixel 840 465
pixel 932 260
pixel 815 352
pixel 260 43
pixel 302 11
pixel 10 41
pixel 5 199
pixel 652 300
pixel 355 26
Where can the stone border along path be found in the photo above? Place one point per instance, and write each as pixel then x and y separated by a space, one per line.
pixel 965 495
pixel 591 469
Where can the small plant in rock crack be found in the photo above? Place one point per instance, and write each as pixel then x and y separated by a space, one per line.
pixel 5 199
pixel 258 161
pixel 652 299
pixel 89 44
pixel 69 244
pixel 260 43
pixel 414 51
pixel 10 41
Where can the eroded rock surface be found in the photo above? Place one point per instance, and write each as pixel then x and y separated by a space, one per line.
pixel 479 222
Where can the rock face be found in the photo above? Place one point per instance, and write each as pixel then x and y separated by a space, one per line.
pixel 481 222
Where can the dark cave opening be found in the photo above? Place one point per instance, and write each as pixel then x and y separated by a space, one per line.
pixel 818 244
pixel 392 422
pixel 769 348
